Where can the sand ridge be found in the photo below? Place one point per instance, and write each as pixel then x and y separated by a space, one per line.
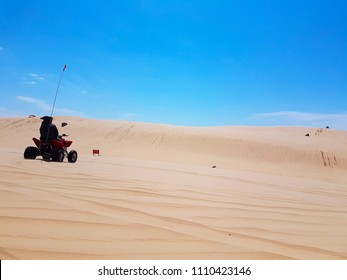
pixel 278 150
pixel 152 194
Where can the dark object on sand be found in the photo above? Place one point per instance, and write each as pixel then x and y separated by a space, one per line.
pixel 63 124
pixel 327 127
pixel 214 166
pixel 308 135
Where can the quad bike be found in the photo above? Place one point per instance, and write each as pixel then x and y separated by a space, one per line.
pixel 55 150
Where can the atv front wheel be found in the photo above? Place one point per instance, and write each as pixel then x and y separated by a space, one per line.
pixel 72 156
pixel 59 156
pixel 31 152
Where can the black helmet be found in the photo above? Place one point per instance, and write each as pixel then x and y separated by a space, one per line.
pixel 46 118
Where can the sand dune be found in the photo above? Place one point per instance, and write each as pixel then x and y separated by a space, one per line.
pixel 152 194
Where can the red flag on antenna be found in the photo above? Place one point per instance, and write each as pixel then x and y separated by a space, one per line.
pixel 64 67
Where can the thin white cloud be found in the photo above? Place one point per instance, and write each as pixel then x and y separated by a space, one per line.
pixel 30 83
pixel 303 119
pixel 68 112
pixel 46 108
pixel 39 103
pixel 7 113
pixel 36 76
pixel 33 79
pixel 88 94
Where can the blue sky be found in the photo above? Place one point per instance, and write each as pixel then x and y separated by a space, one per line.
pixel 200 63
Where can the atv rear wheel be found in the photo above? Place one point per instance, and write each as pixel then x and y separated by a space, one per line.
pixel 59 156
pixel 72 156
pixel 31 152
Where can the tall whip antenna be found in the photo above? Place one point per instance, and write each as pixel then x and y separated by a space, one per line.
pixel 55 99
pixel 56 93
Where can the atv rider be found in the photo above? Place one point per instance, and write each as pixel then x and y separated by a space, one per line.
pixel 48 131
